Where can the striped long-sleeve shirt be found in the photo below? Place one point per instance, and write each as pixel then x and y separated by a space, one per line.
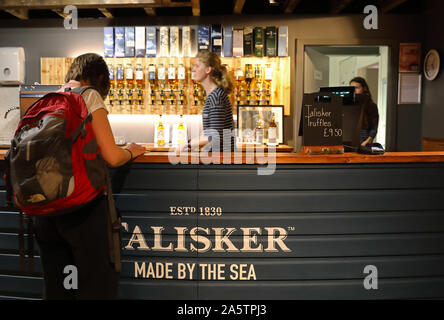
pixel 217 119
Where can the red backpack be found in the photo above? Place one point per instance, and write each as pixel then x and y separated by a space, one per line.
pixel 55 162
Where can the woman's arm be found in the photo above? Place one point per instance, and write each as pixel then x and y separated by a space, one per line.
pixel 373 120
pixel 113 155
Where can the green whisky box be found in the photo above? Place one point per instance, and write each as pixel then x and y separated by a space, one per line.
pixel 270 41
pixel 258 34
pixel 248 41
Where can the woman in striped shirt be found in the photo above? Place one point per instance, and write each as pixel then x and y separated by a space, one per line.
pixel 217 115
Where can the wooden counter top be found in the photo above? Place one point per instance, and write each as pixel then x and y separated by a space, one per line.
pixel 289 158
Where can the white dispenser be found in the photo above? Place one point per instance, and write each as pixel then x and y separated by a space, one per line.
pixel 12 65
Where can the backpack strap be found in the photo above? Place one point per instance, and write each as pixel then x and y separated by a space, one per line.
pixel 81 128
pixel 22 221
pixel 78 90
pixel 114 230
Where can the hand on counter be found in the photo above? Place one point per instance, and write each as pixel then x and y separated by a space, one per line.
pixel 135 149
pixel 368 140
pixel 184 147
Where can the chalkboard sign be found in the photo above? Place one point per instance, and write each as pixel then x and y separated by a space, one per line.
pixel 322 121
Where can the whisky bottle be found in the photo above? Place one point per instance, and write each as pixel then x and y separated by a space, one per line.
pixel 112 83
pixel 181 132
pixel 181 76
pixel 129 76
pixel 258 82
pixel 161 76
pixel 239 76
pixel 119 77
pixel 248 79
pixel 172 83
pixel 140 83
pixel 152 76
pixel 259 132
pixel 160 134
pixel 267 78
pixel 272 133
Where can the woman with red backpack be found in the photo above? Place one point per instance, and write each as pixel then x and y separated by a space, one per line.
pixel 80 240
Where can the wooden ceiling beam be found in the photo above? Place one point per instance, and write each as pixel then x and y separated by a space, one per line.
pixel 339 5
pixel 60 13
pixel 58 4
pixel 290 5
pixel 390 5
pixel 238 6
pixel 150 11
pixel 22 14
pixel 195 5
pixel 106 12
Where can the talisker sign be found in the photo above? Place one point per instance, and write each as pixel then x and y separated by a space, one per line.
pixel 200 239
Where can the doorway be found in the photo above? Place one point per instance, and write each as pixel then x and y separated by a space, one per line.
pixel 332 66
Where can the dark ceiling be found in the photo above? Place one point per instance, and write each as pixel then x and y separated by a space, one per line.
pixel 207 8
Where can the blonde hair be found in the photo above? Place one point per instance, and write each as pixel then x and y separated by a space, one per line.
pixel 220 73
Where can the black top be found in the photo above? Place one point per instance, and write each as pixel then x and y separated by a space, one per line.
pixel 370 119
pixel 217 118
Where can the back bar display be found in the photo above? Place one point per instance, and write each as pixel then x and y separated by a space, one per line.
pixel 175 41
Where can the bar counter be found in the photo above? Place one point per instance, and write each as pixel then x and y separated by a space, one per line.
pixel 290 157
pixel 344 226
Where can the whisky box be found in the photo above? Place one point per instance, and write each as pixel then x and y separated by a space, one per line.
pixel 186 41
pixel 228 41
pixel 119 42
pixel 151 47
pixel 238 42
pixel 248 41
pixel 108 42
pixel 174 41
pixel 163 42
pixel 258 36
pixel 140 42
pixel 129 41
pixel 270 41
pixel 216 38
pixel 203 38
pixel 283 41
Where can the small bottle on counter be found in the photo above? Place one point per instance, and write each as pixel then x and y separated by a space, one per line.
pixel 272 133
pixel 259 133
pixel 160 134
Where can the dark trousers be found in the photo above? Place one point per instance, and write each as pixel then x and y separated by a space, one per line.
pixel 78 239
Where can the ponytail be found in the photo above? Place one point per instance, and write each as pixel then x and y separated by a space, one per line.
pixel 220 73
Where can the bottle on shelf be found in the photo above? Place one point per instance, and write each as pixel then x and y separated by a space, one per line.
pixel 120 83
pixel 239 77
pixel 152 76
pixel 248 79
pixel 172 77
pixel 181 76
pixel 258 83
pixel 140 83
pixel 161 77
pixel 268 77
pixel 111 84
pixel 272 133
pixel 129 76
pixel 119 77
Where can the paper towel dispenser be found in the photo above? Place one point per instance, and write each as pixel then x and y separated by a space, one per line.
pixel 12 65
